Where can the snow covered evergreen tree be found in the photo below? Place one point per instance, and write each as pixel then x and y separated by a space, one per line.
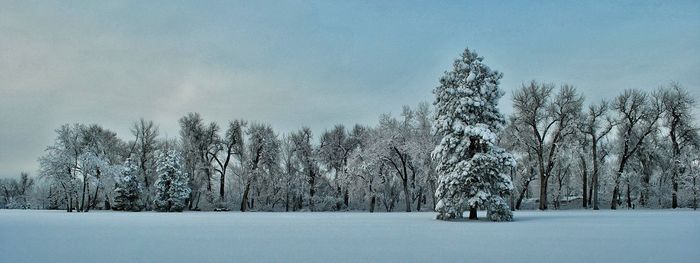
pixel 172 187
pixel 127 191
pixel 471 167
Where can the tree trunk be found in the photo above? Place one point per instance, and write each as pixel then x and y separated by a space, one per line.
pixel 629 196
pixel 590 194
pixel 472 213
pixel 615 193
pixel 620 170
pixel 199 196
pixel 543 192
pixel 208 173
pixel 87 206
pixel 346 198
pixel 286 201
pixel 420 197
pixel 594 180
pixel 584 180
pixel 511 195
pixel 520 197
pixel 407 196
pixel 373 198
pixel 695 194
pixel 190 199
pixel 222 182
pixel 300 203
pixel 391 203
pixel 557 198
pixel 676 164
pixel 312 190
pixel 338 193
pixel 674 195
pixel 146 186
pixel 108 205
pixel 525 189
pixel 68 203
pixel 244 201
pixel 93 205
pixel 82 199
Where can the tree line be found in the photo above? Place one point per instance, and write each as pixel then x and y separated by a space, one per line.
pixel 639 149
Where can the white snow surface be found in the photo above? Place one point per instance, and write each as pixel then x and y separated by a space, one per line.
pixel 534 236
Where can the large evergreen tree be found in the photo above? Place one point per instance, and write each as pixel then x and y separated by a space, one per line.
pixel 127 191
pixel 172 187
pixel 470 166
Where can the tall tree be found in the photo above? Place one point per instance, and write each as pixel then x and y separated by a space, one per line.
pixel 60 163
pixel 304 156
pixel 227 148
pixel 82 157
pixel 127 192
pixel 394 138
pixel 421 145
pixel 637 118
pixel 172 188
pixel 471 167
pixel 365 166
pixel 197 139
pixel 547 120
pixel 596 126
pixel 678 104
pixel 15 192
pixel 333 153
pixel 100 163
pixel 516 141
pixel 144 150
pixel 294 180
pixel 261 155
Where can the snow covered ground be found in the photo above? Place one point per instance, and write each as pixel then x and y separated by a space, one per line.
pixel 554 236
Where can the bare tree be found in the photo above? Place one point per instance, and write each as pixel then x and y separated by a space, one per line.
pixel 516 141
pixel 15 192
pixel 638 114
pixel 678 104
pixel 394 136
pixel 333 153
pixel 304 156
pixel 144 148
pixel 226 148
pixel 547 121
pixel 261 155
pixel 596 125
pixel 197 141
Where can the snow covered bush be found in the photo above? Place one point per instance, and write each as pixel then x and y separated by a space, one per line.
pixel 172 189
pixel 127 191
pixel 470 166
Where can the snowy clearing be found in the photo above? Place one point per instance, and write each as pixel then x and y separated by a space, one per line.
pixel 553 236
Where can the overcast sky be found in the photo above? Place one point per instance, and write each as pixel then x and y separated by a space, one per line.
pixel 309 63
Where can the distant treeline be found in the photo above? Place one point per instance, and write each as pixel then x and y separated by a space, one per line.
pixel 639 149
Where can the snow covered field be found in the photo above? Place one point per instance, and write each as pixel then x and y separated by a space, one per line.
pixel 554 236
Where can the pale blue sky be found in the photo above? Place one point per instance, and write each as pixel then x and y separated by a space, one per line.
pixel 309 63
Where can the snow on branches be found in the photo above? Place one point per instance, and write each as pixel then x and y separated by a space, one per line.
pixel 470 166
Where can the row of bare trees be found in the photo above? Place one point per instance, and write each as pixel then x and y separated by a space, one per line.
pixel 638 149
pixel 249 166
pixel 640 145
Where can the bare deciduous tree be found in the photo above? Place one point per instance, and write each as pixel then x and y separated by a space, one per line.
pixel 547 121
pixel 677 118
pixel 638 114
pixel 596 125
